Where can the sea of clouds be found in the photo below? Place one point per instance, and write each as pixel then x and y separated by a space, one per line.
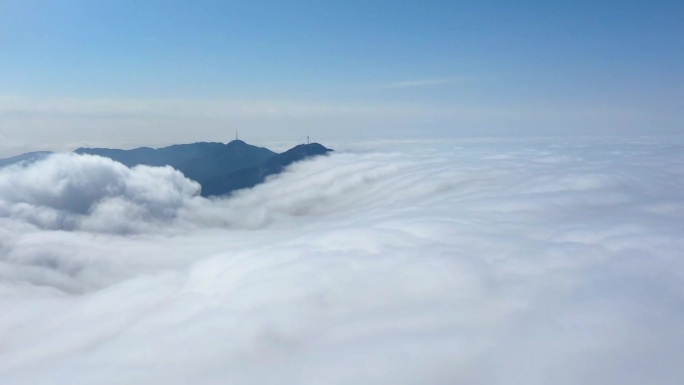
pixel 473 262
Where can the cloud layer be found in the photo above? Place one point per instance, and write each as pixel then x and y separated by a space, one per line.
pixel 453 262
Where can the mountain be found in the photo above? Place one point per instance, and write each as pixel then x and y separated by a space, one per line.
pixel 28 157
pixel 251 176
pixel 198 161
pixel 219 168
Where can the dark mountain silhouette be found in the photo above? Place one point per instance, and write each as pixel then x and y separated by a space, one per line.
pixel 198 161
pixel 220 168
pixel 28 157
pixel 251 176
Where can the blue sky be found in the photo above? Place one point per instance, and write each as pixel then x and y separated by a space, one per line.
pixel 471 68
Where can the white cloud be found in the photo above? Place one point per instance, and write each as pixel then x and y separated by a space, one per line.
pixel 483 262
pixel 76 192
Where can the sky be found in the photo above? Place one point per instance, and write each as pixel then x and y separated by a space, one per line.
pixel 129 73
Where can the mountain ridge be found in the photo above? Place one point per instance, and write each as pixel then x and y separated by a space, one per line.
pixel 28 157
pixel 220 168
pixel 252 176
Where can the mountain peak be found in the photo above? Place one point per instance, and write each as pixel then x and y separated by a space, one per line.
pixel 305 150
pixel 250 177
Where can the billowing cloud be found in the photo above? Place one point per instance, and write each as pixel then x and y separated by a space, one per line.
pixel 439 262
pixel 82 192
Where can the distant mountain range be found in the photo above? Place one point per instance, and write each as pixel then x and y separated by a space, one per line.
pixel 28 157
pixel 220 168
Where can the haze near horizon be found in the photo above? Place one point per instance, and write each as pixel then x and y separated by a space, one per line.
pixel 126 74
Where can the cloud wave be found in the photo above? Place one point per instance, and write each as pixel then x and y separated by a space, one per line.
pixel 486 262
